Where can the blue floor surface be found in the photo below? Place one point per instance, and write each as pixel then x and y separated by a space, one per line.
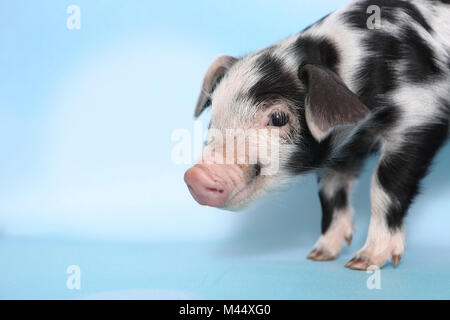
pixel 36 269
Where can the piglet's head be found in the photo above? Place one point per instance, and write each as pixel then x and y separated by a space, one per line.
pixel 269 122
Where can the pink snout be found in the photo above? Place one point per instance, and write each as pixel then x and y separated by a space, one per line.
pixel 208 185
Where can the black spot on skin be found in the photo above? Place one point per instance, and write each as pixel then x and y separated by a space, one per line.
pixel 400 172
pixel 350 153
pixel 330 204
pixel 357 16
pixel 376 73
pixel 320 51
pixel 275 82
pixel 308 154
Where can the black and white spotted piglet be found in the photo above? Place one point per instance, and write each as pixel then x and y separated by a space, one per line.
pixel 339 91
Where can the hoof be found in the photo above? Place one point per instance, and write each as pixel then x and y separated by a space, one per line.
pixel 317 255
pixel 358 264
pixel 364 264
pixel 349 240
pixel 396 259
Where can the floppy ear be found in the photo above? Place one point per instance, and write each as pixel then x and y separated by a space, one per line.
pixel 215 72
pixel 329 103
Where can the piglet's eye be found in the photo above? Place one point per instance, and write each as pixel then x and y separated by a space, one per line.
pixel 278 119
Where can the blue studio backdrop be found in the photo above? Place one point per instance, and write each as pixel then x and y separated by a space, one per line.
pixel 91 93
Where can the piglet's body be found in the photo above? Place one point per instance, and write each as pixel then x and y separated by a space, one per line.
pixel 322 101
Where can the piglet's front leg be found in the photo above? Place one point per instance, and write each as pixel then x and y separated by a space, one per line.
pixel 395 183
pixel 337 214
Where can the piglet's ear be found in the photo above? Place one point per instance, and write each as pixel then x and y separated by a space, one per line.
pixel 215 72
pixel 329 103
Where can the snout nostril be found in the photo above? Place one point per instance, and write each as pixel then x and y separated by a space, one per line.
pixel 215 190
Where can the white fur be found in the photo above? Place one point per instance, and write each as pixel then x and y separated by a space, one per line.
pixel 437 16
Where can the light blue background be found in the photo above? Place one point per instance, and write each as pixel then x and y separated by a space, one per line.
pixel 86 177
